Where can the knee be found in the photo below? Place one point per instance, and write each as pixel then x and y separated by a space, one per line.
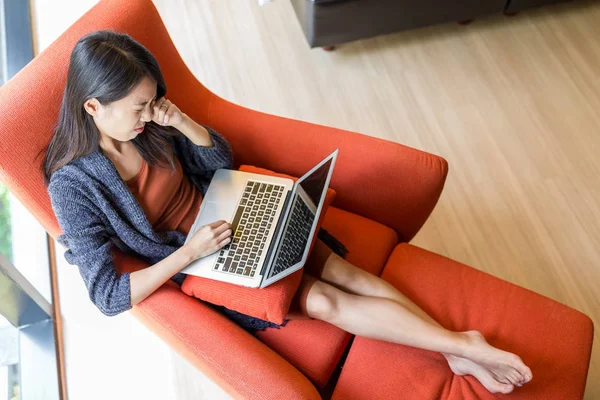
pixel 321 304
pixel 342 273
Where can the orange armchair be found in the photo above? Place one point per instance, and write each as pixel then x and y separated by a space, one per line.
pixel 385 192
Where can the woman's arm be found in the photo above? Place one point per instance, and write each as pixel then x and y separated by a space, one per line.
pixel 144 282
pixel 90 249
pixel 200 163
pixel 168 114
pixel 194 131
pixel 202 149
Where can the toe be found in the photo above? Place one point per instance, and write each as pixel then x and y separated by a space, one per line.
pixel 518 364
pixel 519 384
pixel 491 384
pixel 524 376
pixel 501 379
pixel 497 387
pixel 515 377
pixel 507 389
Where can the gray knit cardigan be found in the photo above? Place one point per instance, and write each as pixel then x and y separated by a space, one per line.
pixel 96 211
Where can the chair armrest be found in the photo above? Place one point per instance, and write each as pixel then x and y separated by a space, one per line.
pixel 390 183
pixel 238 362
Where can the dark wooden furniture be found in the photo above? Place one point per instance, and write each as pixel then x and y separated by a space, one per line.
pixel 515 6
pixel 327 23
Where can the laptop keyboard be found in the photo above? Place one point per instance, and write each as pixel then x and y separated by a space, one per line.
pixel 251 225
pixel 295 238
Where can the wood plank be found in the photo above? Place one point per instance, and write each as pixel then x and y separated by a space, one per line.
pixel 512 103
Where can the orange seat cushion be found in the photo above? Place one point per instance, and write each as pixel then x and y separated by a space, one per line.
pixel 271 303
pixel 552 339
pixel 313 346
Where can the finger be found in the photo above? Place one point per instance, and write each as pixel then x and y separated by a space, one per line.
pixel 156 106
pixel 168 115
pixel 219 227
pixel 164 107
pixel 159 110
pixel 166 110
pixel 224 235
pixel 156 110
pixel 217 223
pixel 219 230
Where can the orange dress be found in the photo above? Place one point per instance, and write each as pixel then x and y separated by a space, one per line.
pixel 172 202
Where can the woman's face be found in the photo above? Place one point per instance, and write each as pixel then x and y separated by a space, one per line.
pixel 120 119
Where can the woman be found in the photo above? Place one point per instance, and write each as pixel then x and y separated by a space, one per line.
pixel 127 167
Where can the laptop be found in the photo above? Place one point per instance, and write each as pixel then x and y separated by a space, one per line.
pixel 273 222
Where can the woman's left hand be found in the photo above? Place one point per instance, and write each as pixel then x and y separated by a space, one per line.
pixel 166 113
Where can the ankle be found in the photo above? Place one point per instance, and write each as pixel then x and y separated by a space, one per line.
pixel 463 345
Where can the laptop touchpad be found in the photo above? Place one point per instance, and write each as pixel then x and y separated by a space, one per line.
pixel 215 211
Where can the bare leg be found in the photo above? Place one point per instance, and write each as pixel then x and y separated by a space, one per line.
pixel 352 279
pixel 497 370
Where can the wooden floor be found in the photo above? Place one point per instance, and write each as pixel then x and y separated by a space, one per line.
pixel 513 104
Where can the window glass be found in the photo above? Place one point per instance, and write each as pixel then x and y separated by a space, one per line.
pixel 9 361
pixel 5 219
pixel 24 243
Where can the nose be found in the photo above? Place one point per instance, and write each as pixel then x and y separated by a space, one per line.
pixel 146 114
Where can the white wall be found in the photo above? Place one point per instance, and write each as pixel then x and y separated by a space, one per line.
pixel 50 18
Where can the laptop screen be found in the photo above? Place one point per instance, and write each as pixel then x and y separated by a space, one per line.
pixel 309 193
pixel 314 183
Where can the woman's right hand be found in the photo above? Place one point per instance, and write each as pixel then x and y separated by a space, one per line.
pixel 209 238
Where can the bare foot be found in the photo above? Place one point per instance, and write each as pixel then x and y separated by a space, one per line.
pixel 463 366
pixel 503 366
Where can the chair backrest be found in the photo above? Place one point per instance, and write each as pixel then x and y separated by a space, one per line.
pixel 30 101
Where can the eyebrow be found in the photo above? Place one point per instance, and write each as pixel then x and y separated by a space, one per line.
pixel 144 102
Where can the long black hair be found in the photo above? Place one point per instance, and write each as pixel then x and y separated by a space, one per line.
pixel 106 65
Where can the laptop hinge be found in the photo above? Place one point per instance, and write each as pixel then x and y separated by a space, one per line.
pixel 280 225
